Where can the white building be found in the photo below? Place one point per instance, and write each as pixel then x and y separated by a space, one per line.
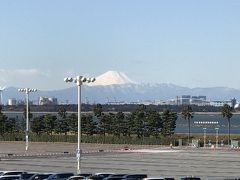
pixel 220 103
pixel 47 101
pixel 12 102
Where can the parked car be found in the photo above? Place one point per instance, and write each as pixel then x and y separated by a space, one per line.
pixel 10 177
pixel 114 178
pixel 25 176
pixel 11 173
pixel 99 176
pixel 191 178
pixel 104 174
pixel 60 176
pixel 135 176
pixel 40 176
pixel 116 175
pixel 96 177
pixel 154 178
pixel 76 178
pixel 85 174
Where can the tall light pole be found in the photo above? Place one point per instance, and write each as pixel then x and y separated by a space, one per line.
pixel 27 91
pixel 216 136
pixel 204 137
pixel 79 80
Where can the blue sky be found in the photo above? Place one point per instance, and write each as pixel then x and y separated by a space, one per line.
pixel 188 43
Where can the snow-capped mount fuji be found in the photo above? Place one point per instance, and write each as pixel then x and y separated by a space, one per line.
pixel 112 78
pixel 115 86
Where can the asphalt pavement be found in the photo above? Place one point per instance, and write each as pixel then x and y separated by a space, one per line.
pixel 156 161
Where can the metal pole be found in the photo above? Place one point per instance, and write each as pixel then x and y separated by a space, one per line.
pixel 229 132
pixel 79 126
pixel 27 120
pixel 1 97
pixel 216 137
pixel 204 137
pixel 188 132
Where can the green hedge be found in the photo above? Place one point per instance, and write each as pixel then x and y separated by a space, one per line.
pixel 86 139
pixel 109 139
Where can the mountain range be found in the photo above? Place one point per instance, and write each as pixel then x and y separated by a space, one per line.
pixel 115 86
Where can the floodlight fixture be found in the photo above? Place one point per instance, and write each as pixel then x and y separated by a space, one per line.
pixel 89 80
pixel 93 79
pixel 83 79
pixel 68 79
pixel 2 88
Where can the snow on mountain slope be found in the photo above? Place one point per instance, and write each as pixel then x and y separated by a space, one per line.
pixel 112 78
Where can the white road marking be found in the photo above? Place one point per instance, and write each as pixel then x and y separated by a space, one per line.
pixel 154 150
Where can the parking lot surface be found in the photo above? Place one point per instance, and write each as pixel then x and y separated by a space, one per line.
pixel 156 161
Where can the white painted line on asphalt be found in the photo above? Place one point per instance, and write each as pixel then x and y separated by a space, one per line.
pixel 153 151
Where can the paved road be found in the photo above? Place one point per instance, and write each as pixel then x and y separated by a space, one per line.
pixel 155 161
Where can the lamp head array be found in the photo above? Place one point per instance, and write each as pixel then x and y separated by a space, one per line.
pixel 91 80
pixel 79 79
pixel 27 90
pixel 32 90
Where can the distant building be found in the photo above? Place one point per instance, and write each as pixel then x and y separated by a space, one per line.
pixel 185 100
pixel 116 103
pixel 21 102
pixel 177 101
pixel 182 100
pixel 190 100
pixel 220 103
pixel 12 102
pixel 146 102
pixel 234 102
pixel 166 102
pixel 47 101
pixel 156 102
pixel 199 100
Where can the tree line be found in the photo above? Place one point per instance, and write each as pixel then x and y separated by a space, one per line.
pixel 112 108
pixel 140 123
